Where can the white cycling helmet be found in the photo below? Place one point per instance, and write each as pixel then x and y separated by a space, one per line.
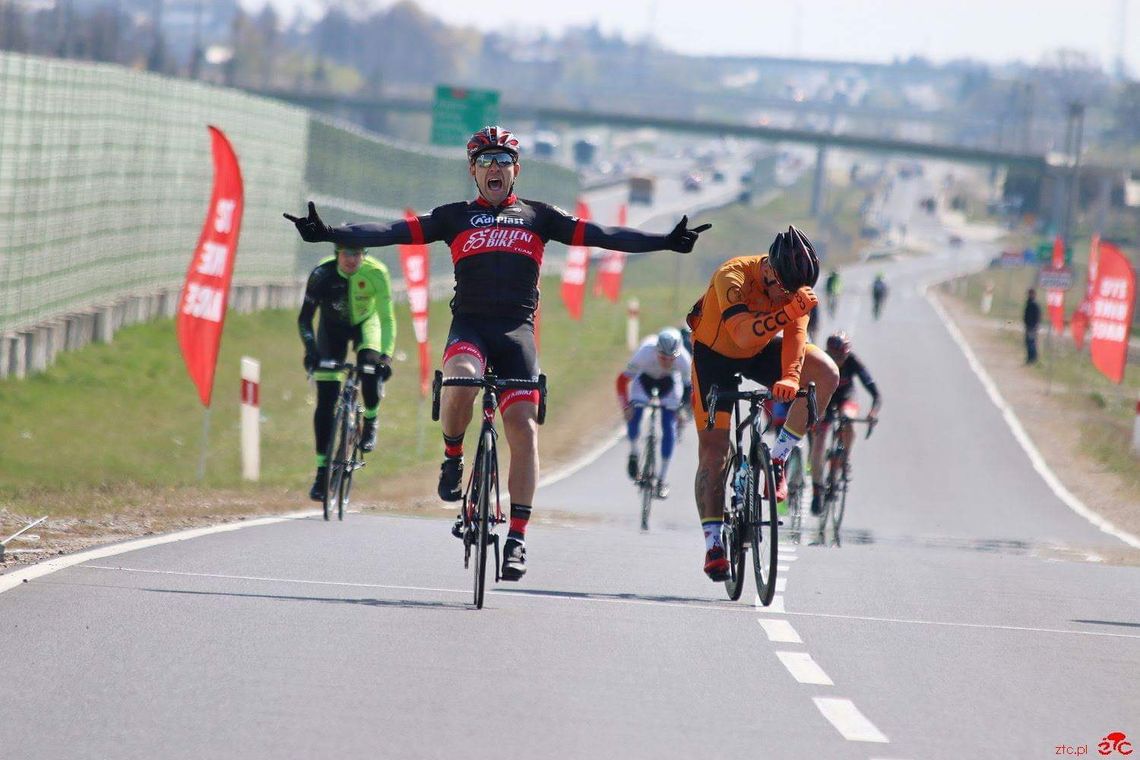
pixel 669 342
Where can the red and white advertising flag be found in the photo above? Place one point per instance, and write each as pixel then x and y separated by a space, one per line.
pixel 1080 321
pixel 202 305
pixel 1054 297
pixel 414 261
pixel 577 264
pixel 612 266
pixel 1113 302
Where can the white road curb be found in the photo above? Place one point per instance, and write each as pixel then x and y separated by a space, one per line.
pixel 23 575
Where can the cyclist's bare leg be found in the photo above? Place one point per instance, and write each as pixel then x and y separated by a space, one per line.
pixel 848 438
pixel 520 424
pixel 455 403
pixel 819 369
pixel 712 455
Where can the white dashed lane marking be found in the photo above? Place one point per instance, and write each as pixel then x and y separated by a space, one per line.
pixel 780 631
pixel 804 669
pixel 847 719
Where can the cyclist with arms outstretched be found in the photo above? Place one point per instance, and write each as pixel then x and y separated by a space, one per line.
pixel 497 242
pixel 354 295
pixel 660 363
pixel 839 349
pixel 753 320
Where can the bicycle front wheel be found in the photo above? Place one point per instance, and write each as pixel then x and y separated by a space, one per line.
pixel 762 523
pixel 334 462
pixel 840 504
pixel 795 475
pixel 648 476
pixel 485 467
pixel 352 456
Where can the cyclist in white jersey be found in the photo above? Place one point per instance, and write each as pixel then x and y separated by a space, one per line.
pixel 660 362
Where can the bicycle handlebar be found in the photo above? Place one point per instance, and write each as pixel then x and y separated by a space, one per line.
pixel 869 421
pixel 335 366
pixel 715 395
pixel 491 383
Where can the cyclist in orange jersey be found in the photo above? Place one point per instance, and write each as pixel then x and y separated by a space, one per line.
pixel 753 320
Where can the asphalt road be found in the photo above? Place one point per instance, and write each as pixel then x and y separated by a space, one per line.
pixel 964 615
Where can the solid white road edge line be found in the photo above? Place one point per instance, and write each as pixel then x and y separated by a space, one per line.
pixel 585 460
pixel 1019 434
pixel 804 669
pixel 847 719
pixel 711 605
pixel 16 577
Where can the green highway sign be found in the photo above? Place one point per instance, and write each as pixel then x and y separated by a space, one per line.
pixel 457 112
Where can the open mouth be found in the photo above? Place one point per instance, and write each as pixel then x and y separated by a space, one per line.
pixel 495 183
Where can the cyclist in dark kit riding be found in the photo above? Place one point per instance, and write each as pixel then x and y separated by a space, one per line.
pixel 354 295
pixel 850 367
pixel 497 241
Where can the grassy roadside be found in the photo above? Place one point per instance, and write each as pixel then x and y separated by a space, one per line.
pixel 108 441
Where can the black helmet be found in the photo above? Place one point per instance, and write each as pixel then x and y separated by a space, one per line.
pixel 839 344
pixel 793 259
pixel 490 138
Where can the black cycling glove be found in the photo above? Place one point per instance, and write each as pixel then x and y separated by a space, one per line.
pixel 312 229
pixel 312 359
pixel 682 239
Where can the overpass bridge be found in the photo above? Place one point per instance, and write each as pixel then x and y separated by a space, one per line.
pixel 579 117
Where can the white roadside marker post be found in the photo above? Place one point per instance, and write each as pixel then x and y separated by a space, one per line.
pixel 633 326
pixel 250 418
pixel 1136 430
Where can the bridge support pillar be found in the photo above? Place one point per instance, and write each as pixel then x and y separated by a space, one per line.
pixel 817 185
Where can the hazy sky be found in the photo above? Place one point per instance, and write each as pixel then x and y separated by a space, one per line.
pixel 871 30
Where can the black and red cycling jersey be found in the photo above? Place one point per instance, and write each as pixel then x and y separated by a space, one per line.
pixel 849 369
pixel 497 250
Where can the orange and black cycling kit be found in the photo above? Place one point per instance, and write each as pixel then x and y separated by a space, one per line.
pixel 778 343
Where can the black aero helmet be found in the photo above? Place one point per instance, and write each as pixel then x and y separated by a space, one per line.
pixel 492 138
pixel 839 344
pixel 793 259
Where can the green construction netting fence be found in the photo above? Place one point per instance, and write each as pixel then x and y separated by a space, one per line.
pixel 105 175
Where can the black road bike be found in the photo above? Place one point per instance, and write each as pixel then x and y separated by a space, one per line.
pixel 344 454
pixel 750 491
pixel 838 479
pixel 478 517
pixel 647 471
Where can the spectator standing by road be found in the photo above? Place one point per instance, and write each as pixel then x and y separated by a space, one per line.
pixel 1032 319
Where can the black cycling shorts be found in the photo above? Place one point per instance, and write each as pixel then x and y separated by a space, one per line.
pixel 711 368
pixel 505 346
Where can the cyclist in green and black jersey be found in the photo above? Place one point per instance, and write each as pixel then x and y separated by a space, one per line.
pixel 354 295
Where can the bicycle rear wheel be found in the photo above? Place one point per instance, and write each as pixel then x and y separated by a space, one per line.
pixel 733 534
pixel 334 463
pixel 483 516
pixel 762 523
pixel 646 482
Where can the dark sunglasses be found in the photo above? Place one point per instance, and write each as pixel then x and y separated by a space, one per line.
pixel 483 160
pixel 775 280
pixel 351 251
